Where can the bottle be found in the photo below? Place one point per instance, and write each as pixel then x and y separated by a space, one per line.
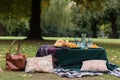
pixel 89 42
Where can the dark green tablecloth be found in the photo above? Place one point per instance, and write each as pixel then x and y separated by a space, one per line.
pixel 72 58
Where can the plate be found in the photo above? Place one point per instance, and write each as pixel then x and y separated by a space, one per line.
pixel 75 48
pixel 57 46
pixel 94 48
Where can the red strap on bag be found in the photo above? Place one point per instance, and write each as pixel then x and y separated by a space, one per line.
pixel 15 62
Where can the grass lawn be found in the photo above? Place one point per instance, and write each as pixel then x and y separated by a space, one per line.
pixel 29 48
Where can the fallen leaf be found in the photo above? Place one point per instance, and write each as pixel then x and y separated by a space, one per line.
pixel 1 70
pixel 30 75
pixel 114 58
pixel 24 75
pixel 1 55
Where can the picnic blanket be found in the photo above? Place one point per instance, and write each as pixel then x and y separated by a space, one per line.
pixel 74 74
pixel 66 67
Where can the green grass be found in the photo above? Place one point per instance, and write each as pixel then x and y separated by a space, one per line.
pixel 29 48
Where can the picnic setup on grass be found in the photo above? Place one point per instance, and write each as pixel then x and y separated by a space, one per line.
pixel 66 59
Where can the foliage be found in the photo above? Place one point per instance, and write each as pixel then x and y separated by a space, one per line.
pixel 112 11
pixel 21 29
pixel 80 16
pixel 59 16
pixel 85 16
pixel 91 14
pixel 44 5
pixel 14 16
pixel 15 8
pixel 15 27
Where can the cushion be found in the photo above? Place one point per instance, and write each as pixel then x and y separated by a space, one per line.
pixel 39 64
pixel 94 65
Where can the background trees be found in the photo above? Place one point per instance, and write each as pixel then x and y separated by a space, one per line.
pixel 14 16
pixel 112 15
pixel 59 18
pixel 83 17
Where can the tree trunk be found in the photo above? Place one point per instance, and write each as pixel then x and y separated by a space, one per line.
pixel 94 30
pixel 114 31
pixel 35 29
pixel 94 27
pixel 112 18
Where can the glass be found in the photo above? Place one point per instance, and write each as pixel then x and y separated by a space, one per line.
pixel 83 40
pixel 76 40
pixel 89 43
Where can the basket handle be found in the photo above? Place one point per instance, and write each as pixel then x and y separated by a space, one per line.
pixel 18 48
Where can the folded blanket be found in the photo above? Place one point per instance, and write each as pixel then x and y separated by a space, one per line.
pixel 43 50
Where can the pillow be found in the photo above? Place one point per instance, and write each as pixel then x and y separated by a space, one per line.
pixel 39 64
pixel 94 65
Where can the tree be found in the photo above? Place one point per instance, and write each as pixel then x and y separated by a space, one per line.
pixel 113 18
pixel 2 30
pixel 112 12
pixel 21 9
pixel 35 30
pixel 90 13
pixel 59 16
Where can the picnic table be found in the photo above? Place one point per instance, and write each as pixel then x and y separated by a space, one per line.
pixel 72 58
pixel 67 62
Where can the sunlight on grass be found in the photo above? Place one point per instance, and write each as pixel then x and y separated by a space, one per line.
pixel 104 40
pixel 11 38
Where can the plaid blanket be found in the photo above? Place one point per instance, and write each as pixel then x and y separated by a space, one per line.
pixel 74 74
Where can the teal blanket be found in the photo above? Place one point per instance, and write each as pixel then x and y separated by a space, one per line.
pixel 72 58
